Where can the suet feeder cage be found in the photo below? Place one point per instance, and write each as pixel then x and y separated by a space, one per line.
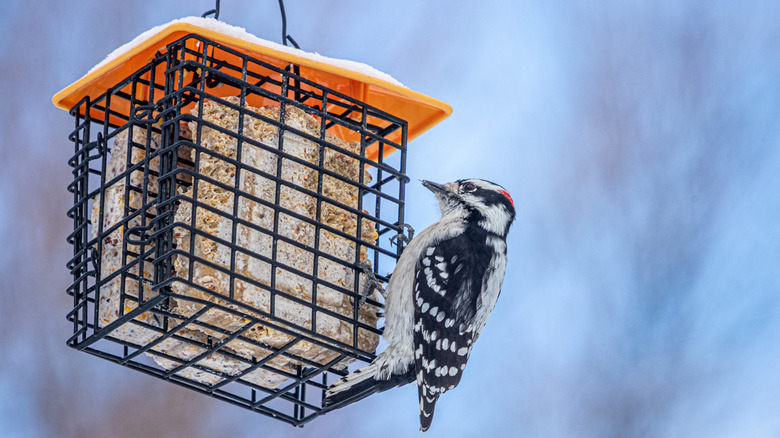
pixel 228 195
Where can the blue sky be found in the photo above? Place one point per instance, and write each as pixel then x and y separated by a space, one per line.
pixel 640 142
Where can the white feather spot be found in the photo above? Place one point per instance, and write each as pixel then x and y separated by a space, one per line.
pixel 445 343
pixel 440 316
pixel 437 372
pixel 449 323
pixel 453 371
pixel 426 261
pixel 452 387
pixel 452 347
pixel 462 351
pixel 454 258
pixel 424 307
pixel 429 251
pixel 444 275
pixel 462 366
pixel 439 258
pixel 438 344
pixel 434 311
pixel 441 266
pixel 428 274
pixel 434 335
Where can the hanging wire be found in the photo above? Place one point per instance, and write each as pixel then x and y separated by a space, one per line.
pixel 214 11
pixel 286 37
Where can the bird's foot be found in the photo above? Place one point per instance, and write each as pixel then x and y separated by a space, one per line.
pixel 402 237
pixel 371 283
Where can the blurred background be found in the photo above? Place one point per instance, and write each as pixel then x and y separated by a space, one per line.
pixel 640 141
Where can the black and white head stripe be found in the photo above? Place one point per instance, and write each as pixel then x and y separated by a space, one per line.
pixel 447 283
pixel 491 193
pixel 487 203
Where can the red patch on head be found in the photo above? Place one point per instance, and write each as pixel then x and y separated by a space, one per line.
pixel 507 197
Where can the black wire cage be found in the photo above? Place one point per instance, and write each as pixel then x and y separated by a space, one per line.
pixel 228 210
pixel 177 275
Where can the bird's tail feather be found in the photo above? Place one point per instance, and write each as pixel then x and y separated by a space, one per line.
pixel 360 384
pixel 427 405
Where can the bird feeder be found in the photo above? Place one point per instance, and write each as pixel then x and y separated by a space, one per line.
pixel 230 198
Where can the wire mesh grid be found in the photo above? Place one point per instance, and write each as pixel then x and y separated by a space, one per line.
pixel 224 209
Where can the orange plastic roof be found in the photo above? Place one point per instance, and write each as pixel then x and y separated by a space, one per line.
pixel 420 111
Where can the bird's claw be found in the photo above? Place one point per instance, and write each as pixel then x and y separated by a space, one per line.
pixel 402 237
pixel 371 283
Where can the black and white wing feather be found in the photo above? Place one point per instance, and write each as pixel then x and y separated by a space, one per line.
pixel 448 280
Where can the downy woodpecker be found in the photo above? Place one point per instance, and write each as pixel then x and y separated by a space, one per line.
pixel 439 297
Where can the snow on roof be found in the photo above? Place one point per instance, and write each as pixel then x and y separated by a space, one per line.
pixel 241 33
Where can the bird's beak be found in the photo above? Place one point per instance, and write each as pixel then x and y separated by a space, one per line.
pixel 436 188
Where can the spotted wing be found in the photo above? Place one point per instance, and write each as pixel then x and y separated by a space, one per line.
pixel 448 280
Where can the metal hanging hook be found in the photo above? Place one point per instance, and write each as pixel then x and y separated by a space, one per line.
pixel 286 37
pixel 214 11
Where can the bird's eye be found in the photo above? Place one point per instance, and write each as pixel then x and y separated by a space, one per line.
pixel 468 187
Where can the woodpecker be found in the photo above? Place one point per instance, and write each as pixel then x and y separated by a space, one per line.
pixel 439 297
